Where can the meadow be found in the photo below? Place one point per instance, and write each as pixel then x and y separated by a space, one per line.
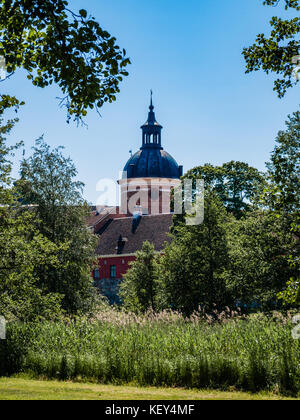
pixel 24 388
pixel 218 351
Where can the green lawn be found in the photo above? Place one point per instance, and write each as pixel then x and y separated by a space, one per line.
pixel 26 389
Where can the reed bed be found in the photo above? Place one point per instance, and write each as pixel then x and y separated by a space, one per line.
pixel 218 351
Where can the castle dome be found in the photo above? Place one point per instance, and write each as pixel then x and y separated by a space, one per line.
pixel 152 161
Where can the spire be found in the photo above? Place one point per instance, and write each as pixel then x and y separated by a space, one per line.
pixel 151 128
pixel 151 115
pixel 151 103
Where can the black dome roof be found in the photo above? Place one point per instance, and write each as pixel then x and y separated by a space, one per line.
pixel 152 163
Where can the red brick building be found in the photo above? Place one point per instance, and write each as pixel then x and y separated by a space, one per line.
pixel 144 213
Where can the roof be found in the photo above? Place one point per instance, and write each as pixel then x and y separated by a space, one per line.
pixel 154 229
pixel 94 218
pixel 98 218
pixel 152 162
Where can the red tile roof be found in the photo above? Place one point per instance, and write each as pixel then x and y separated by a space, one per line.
pixel 154 229
pixel 99 217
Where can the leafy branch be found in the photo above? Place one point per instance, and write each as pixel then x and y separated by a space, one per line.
pixel 275 54
pixel 56 45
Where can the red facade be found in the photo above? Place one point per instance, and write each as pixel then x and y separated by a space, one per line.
pixel 109 274
pixel 121 264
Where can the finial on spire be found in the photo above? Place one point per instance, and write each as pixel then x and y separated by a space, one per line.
pixel 151 103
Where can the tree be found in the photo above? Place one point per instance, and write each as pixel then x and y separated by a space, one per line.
pixel 193 266
pixel 258 248
pixel 140 287
pixel 6 196
pixel 275 54
pixel 283 192
pixel 23 250
pixel 47 181
pixel 55 45
pixel 236 183
pixel 23 253
pixel 291 294
pixel 282 197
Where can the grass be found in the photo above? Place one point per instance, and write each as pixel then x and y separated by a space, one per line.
pixel 162 350
pixel 26 389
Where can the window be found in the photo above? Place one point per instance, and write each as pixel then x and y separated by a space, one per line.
pixel 113 271
pixel 96 274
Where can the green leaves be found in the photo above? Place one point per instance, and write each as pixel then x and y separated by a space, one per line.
pixel 23 250
pixel 288 3
pixel 46 251
pixel 83 13
pixel 259 246
pixel 193 266
pixel 275 54
pixel 48 181
pixel 7 101
pixel 55 45
pixel 140 287
pixel 237 184
pixel 283 194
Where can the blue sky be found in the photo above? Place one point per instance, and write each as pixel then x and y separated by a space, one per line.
pixel 189 53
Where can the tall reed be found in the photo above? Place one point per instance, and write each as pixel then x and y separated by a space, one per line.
pixel 216 351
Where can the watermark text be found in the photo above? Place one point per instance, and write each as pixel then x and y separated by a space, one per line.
pixel 2 328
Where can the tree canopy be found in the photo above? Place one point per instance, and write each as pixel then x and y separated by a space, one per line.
pixel 275 54
pixel 23 249
pixel 258 248
pixel 48 181
pixel 237 184
pixel 55 45
pixel 139 289
pixel 193 265
pixel 283 194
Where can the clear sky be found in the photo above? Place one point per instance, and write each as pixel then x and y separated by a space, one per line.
pixel 189 53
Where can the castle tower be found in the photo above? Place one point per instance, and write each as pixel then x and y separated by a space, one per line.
pixel 150 173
